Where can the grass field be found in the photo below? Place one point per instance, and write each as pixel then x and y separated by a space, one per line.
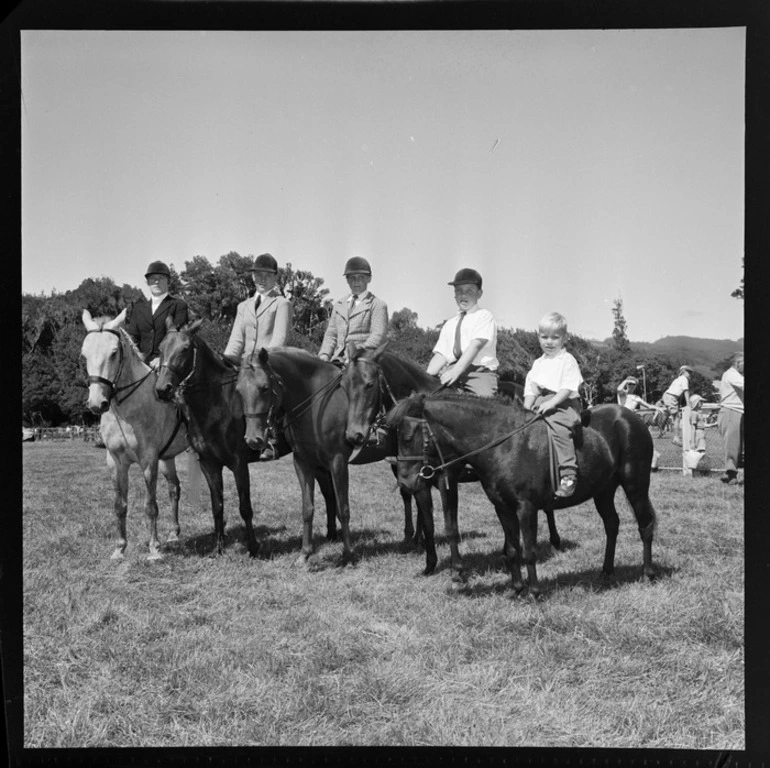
pixel 193 651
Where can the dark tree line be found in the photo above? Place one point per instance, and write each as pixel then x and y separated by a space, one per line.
pixel 54 378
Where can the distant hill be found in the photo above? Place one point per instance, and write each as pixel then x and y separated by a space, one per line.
pixel 702 354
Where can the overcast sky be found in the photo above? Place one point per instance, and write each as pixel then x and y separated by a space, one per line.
pixel 569 167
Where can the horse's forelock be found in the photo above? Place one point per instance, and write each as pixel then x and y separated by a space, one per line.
pixel 409 406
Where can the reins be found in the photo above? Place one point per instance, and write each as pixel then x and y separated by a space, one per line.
pixel 427 471
pixel 292 415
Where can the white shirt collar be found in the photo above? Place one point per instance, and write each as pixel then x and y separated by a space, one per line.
pixel 157 299
pixel 360 296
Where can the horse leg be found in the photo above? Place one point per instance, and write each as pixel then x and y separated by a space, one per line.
pixel 213 474
pixel 339 471
pixel 243 484
pixel 307 488
pixel 119 472
pixel 447 485
pixel 527 516
pixel 327 489
pixel 553 534
pixel 424 501
pixel 168 469
pixel 150 472
pixel 406 497
pixel 605 506
pixel 639 498
pixel 511 545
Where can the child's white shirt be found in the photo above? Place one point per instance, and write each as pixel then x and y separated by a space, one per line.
pixel 554 373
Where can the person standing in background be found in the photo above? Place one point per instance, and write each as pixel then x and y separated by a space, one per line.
pixel 730 419
pixel 676 396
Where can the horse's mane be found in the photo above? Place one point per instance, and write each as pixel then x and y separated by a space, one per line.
pixel 409 406
pixel 482 407
pixel 208 351
pixel 130 343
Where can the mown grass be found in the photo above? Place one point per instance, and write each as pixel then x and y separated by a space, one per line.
pixel 194 651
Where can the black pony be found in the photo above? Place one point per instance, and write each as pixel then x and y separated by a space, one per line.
pixel 507 445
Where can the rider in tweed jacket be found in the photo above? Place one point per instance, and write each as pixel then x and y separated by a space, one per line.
pixel 359 317
pixel 262 320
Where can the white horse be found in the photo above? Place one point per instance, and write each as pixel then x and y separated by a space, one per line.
pixel 136 427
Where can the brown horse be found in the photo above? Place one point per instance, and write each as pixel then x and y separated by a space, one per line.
pixel 203 385
pixel 135 427
pixel 292 392
pixel 375 380
pixel 507 445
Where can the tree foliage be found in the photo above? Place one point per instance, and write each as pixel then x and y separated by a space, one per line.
pixel 53 376
pixel 619 335
pixel 738 292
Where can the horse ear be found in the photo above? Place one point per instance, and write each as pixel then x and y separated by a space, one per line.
pixel 263 356
pixel 193 327
pixel 116 322
pixel 170 326
pixel 353 350
pixel 89 322
pixel 378 352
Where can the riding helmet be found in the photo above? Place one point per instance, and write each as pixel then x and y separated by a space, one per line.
pixel 467 276
pixel 265 263
pixel 357 266
pixel 158 268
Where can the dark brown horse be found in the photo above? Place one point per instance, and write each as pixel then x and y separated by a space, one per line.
pixel 375 380
pixel 507 445
pixel 203 385
pixel 292 392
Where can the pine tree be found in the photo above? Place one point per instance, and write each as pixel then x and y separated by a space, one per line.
pixel 619 331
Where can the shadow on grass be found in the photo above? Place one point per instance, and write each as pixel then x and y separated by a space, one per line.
pixel 586 579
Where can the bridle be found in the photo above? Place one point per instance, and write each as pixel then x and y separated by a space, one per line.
pixel 276 387
pixel 181 380
pixel 427 471
pixel 383 390
pixel 112 384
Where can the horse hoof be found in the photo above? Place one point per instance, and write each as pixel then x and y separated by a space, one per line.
pixel 154 556
pixel 117 555
pixel 302 561
pixel 172 539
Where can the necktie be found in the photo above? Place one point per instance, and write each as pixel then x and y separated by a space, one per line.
pixel 257 302
pixel 353 300
pixel 458 350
